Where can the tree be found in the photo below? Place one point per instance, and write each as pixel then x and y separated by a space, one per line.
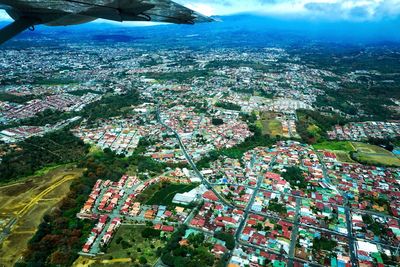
pixel 323 243
pixel 142 260
pixel 294 176
pixel 217 121
pixel 196 239
pixel 149 232
pixel 228 238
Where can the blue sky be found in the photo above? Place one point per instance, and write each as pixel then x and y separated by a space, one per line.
pixel 358 10
pixel 318 9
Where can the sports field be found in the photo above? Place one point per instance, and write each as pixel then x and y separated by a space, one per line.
pixel 23 204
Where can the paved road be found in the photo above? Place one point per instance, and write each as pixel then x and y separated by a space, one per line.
pixel 252 199
pixel 352 245
pixel 279 254
pixel 353 250
pixel 295 230
pixel 192 164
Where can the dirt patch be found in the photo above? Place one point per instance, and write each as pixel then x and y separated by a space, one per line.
pixel 28 201
pixel 19 188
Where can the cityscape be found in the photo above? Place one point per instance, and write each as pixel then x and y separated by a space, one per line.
pixel 186 154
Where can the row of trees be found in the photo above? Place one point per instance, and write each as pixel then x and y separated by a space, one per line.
pixel 55 148
pixel 229 106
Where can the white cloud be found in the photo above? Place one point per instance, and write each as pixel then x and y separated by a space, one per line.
pixel 4 16
pixel 331 9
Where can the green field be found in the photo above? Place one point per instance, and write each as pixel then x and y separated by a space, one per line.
pixel 343 156
pixel 374 155
pixel 333 145
pixel 165 194
pixel 366 153
pixel 129 243
pixel 269 124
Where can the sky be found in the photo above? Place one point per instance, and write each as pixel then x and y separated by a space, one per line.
pixel 334 10
pixel 313 9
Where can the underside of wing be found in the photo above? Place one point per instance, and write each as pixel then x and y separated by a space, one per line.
pixel 168 11
pixel 135 10
pixel 15 28
pixel 117 10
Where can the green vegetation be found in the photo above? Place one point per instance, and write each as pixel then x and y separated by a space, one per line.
pixel 312 125
pixel 55 148
pixel 166 192
pixel 269 124
pixel 365 95
pixel 177 76
pixel 133 241
pixel 217 121
pixel 150 232
pixel 111 106
pixel 334 145
pixel 151 166
pixel 344 157
pixel 83 92
pixel 54 81
pixel 47 116
pixel 275 206
pixel 15 98
pixel 228 238
pixel 229 106
pixel 196 253
pixel 61 235
pixel 374 155
pixel 377 228
pixel 141 164
pixel 236 152
pixel 294 176
pixel 324 243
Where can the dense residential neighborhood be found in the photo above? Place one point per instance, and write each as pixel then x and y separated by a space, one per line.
pixel 215 157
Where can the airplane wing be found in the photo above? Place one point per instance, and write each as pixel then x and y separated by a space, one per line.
pixel 15 28
pixel 28 13
pixel 141 10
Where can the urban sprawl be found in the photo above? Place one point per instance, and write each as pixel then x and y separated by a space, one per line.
pixel 287 203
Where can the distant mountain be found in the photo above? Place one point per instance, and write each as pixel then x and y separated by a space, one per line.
pixel 243 29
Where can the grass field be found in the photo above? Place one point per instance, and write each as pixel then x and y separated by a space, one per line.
pixel 332 145
pixel 135 247
pixel 341 149
pixel 164 196
pixel 375 155
pixel 343 156
pixel 269 124
pixel 28 201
